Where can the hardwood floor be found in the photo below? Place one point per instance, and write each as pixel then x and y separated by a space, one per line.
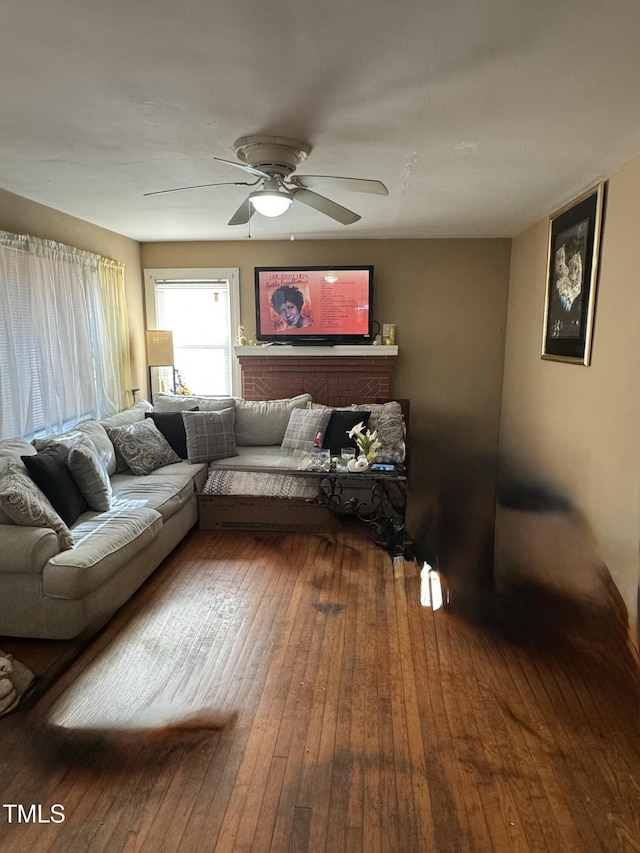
pixel 358 719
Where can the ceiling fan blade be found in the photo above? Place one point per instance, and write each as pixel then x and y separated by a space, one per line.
pixel 244 168
pixel 328 182
pixel 325 205
pixel 243 214
pixel 203 186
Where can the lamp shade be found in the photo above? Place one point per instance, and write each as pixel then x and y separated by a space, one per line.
pixel 159 347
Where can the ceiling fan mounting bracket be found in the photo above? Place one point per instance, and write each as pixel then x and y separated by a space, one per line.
pixel 275 155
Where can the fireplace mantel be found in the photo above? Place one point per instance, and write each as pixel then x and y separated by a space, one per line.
pixel 287 351
pixel 335 376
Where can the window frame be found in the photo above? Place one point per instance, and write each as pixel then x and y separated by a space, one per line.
pixel 230 274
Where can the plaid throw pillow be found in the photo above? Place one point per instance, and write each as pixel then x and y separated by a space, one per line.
pixel 210 435
pixel 90 475
pixel 304 425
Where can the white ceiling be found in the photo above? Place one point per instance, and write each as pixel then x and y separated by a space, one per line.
pixel 481 116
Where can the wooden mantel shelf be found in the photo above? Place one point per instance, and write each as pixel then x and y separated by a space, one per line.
pixel 302 351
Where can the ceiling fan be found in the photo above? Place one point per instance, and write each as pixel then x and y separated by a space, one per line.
pixel 272 160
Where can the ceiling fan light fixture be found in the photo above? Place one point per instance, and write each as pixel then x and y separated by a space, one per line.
pixel 270 202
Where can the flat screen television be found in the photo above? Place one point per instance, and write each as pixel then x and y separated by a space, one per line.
pixel 314 305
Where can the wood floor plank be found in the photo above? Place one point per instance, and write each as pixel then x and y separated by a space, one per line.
pixel 318 760
pixel 408 809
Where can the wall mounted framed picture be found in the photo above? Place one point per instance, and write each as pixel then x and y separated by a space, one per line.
pixel 575 234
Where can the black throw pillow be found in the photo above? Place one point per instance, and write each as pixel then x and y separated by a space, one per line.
pixel 340 422
pixel 48 470
pixel 171 426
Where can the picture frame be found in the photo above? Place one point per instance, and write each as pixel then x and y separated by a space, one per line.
pixel 575 233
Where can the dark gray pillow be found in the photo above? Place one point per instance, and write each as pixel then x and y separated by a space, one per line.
pixel 335 437
pixel 171 426
pixel 210 435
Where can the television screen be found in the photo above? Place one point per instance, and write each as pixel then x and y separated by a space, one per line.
pixel 314 305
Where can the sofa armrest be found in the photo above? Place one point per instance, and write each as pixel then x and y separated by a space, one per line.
pixel 26 549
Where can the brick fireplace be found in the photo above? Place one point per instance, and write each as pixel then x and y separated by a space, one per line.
pixel 335 376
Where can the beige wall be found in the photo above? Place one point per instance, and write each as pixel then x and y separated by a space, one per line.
pixel 448 300
pixel 577 427
pixel 21 216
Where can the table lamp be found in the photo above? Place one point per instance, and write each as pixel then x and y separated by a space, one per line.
pixel 159 354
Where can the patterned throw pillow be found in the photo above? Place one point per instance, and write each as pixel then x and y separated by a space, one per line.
pixel 90 476
pixel 210 435
pixel 48 470
pixel 132 415
pixel 303 427
pixel 142 446
pixel 26 504
pixel 11 449
pixel 387 420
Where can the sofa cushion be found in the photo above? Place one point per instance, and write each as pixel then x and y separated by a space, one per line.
pixel 62 443
pixel 48 470
pixel 15 448
pixel 340 422
pixel 265 421
pixel 27 505
pixel 171 426
pixel 164 493
pixel 131 415
pixel 101 441
pixel 90 476
pixel 105 542
pixel 196 472
pixel 182 403
pixel 258 457
pixel 142 446
pixel 303 428
pixel 210 435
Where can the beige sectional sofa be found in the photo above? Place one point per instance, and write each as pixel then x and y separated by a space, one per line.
pixel 59 581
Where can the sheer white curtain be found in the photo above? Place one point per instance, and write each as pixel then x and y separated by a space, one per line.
pixel 113 361
pixel 54 340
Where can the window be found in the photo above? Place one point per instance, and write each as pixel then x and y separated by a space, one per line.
pixel 202 309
